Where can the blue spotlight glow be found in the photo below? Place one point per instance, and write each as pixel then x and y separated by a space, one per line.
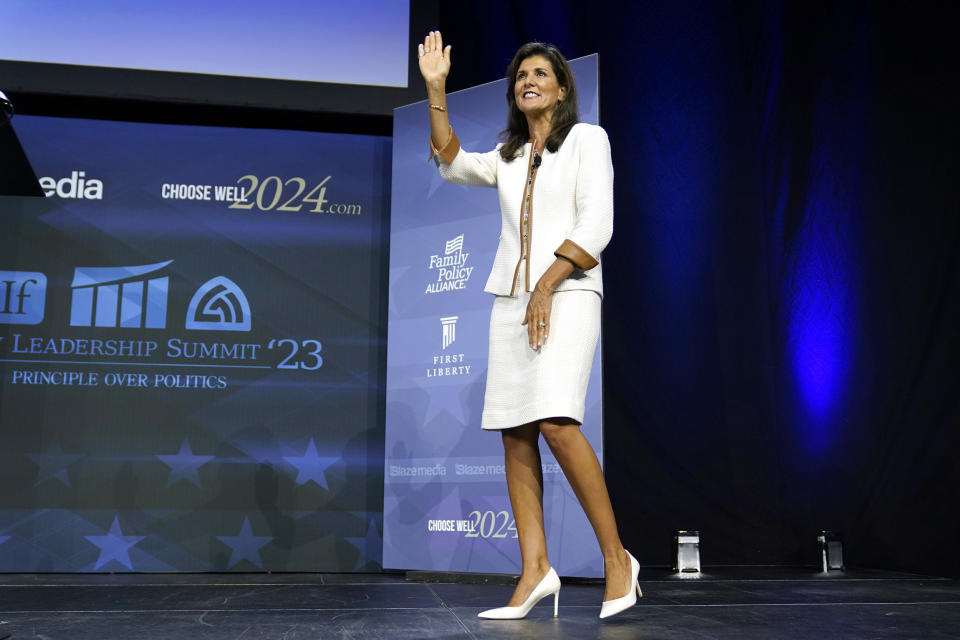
pixel 814 158
pixel 820 312
pixel 820 292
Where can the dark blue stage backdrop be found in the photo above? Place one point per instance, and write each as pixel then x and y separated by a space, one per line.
pixel 190 342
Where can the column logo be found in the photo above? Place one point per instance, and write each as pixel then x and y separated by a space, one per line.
pixel 23 295
pixel 449 330
pixel 120 297
pixel 448 363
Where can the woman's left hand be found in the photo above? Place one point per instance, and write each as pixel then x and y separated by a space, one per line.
pixel 537 318
pixel 541 301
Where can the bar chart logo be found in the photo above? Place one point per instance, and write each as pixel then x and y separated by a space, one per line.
pixel 120 297
pixel 449 330
pixel 219 305
pixel 22 297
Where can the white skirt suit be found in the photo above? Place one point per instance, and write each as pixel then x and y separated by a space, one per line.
pixel 570 216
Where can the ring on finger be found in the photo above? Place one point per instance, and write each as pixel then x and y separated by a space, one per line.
pixel 541 324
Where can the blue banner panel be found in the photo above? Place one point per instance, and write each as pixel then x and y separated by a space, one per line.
pixel 190 341
pixel 446 506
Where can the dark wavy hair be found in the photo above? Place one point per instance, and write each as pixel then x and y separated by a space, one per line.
pixel 566 115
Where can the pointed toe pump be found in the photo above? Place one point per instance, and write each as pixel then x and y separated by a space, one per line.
pixel 550 585
pixel 615 606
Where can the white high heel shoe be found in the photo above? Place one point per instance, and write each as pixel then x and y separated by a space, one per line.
pixel 615 606
pixel 549 585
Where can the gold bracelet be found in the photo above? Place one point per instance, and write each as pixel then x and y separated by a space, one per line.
pixel 438 107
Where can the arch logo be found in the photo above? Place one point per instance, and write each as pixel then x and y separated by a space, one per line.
pixel 219 305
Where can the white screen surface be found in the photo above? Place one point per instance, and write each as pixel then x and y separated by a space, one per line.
pixel 361 42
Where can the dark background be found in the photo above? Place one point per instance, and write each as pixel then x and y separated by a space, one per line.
pixel 782 293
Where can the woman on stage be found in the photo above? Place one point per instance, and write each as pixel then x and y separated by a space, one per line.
pixel 555 181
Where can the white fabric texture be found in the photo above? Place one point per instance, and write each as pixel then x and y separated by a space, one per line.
pixel 524 385
pixel 572 200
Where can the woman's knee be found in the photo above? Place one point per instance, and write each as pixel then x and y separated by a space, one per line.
pixel 523 436
pixel 558 432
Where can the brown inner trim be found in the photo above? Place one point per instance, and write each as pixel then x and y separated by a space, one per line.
pixel 525 244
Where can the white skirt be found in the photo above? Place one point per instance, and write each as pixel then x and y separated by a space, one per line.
pixel 524 385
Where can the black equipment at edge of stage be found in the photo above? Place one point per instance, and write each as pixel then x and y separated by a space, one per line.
pixel 16 177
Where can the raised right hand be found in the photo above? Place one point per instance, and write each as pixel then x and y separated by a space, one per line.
pixel 434 59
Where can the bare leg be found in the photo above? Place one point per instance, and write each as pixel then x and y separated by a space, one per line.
pixel 582 469
pixel 525 484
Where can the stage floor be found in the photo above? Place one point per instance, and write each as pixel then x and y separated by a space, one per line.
pixel 724 602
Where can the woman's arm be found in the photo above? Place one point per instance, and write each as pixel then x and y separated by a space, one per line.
pixel 434 62
pixel 478 169
pixel 590 234
pixel 594 193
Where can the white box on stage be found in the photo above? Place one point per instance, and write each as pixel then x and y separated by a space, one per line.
pixel 688 552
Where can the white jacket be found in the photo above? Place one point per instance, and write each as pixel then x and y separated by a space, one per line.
pixel 571 213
